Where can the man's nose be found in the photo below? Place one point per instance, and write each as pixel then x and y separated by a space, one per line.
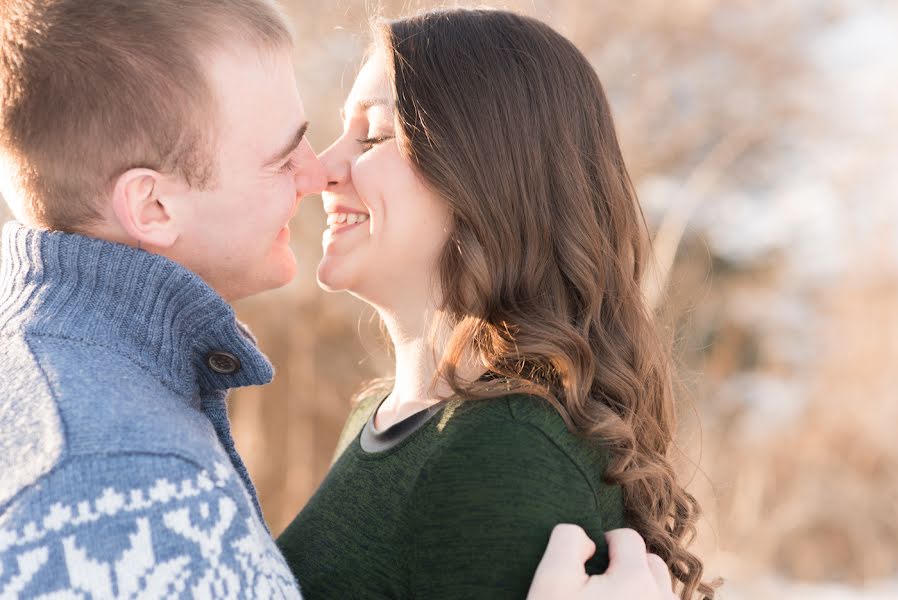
pixel 335 163
pixel 310 175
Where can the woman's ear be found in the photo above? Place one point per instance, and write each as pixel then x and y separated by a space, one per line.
pixel 140 210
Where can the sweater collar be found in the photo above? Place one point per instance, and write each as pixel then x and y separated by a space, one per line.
pixel 139 304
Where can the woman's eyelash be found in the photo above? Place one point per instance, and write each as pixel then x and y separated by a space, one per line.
pixel 370 141
pixel 288 166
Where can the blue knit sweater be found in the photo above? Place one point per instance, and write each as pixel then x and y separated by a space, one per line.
pixel 118 474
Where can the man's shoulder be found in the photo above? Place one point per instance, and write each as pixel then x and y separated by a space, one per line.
pixel 108 403
pixel 31 432
pixel 141 524
pixel 61 400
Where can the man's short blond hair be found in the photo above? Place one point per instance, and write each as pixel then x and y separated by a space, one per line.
pixel 92 88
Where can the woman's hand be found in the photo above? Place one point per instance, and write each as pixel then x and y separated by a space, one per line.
pixel 632 572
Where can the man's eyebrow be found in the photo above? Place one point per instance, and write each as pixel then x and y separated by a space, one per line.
pixel 294 142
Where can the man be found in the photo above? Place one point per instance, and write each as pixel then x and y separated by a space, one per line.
pixel 153 153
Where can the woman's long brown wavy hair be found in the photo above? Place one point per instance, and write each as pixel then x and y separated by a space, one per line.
pixel 541 279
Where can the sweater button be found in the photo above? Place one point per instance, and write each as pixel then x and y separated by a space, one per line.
pixel 223 362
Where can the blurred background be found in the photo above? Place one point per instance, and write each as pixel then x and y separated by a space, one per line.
pixel 763 139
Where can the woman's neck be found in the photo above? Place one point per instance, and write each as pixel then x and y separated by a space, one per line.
pixel 414 388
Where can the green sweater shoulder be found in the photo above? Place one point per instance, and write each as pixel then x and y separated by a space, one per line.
pixel 356 420
pixel 461 508
pixel 499 478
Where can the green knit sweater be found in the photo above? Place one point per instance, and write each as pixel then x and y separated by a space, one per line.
pixel 461 507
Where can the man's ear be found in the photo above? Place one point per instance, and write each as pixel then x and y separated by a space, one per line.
pixel 141 211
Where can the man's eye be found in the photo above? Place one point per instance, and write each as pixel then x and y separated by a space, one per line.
pixel 288 166
pixel 370 142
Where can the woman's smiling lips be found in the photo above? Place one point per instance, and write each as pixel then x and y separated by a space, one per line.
pixel 337 219
pixel 341 218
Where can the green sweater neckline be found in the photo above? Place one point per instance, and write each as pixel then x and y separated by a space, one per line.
pixel 374 442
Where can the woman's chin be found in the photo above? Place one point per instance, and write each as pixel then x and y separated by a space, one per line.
pixel 328 287
pixel 330 277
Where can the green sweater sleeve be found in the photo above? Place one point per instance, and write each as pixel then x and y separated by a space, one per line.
pixel 483 507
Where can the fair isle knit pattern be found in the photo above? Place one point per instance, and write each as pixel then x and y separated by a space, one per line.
pixel 118 473
pixel 221 553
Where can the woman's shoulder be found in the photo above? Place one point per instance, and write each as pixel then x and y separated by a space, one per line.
pixel 516 414
pixel 513 416
pixel 520 427
pixel 361 411
pixel 503 450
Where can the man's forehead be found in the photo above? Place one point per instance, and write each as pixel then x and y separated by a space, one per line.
pixel 261 107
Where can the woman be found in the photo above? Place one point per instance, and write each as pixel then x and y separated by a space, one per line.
pixel 478 200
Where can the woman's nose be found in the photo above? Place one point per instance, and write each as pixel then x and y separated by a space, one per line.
pixel 335 164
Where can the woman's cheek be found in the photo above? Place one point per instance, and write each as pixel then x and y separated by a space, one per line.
pixel 362 170
pixel 368 181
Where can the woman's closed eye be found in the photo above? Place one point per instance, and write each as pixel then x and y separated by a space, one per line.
pixel 369 142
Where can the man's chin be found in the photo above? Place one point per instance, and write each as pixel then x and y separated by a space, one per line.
pixel 273 278
pixel 283 274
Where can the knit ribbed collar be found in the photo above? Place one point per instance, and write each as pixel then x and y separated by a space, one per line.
pixel 138 304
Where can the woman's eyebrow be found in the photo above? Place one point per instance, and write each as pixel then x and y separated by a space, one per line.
pixel 370 102
pixel 363 105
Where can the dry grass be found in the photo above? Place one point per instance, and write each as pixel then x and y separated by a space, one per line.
pixel 808 491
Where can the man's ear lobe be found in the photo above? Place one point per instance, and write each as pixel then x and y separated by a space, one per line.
pixel 140 210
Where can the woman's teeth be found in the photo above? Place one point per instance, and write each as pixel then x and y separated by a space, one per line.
pixel 347 218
